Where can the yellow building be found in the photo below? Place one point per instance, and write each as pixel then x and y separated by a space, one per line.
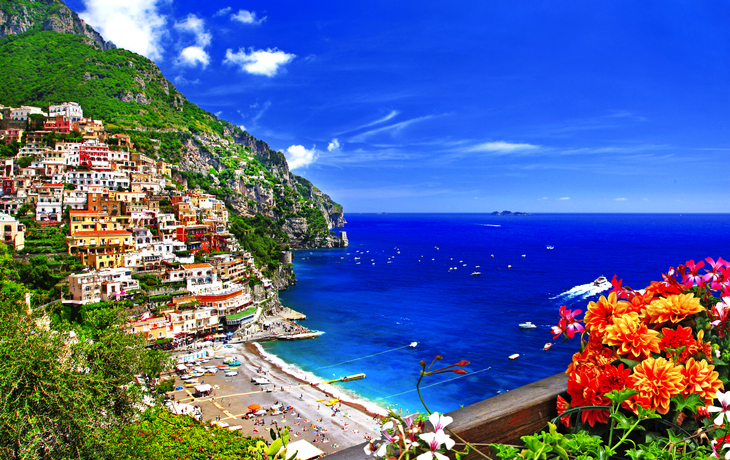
pixel 100 248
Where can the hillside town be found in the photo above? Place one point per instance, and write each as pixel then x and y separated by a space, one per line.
pixel 127 222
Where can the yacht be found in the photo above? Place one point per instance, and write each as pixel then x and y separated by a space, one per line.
pixel 527 325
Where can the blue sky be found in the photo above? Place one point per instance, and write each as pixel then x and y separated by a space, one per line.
pixel 408 106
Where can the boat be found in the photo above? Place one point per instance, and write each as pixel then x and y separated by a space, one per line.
pixel 550 247
pixel 600 280
pixel 476 273
pixel 413 344
pixel 527 325
pixel 515 356
pixel 547 346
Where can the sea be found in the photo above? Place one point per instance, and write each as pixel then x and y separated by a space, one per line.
pixel 411 278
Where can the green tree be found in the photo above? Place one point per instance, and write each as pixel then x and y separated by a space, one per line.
pixel 61 390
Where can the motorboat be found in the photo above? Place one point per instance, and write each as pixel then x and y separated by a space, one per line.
pixel 600 280
pixel 413 344
pixel 527 325
pixel 476 273
pixel 515 356
pixel 547 346
pixel 550 247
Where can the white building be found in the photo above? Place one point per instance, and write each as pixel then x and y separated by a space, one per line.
pixel 107 179
pixel 101 286
pixel 77 199
pixel 49 209
pixel 70 110
pixel 25 111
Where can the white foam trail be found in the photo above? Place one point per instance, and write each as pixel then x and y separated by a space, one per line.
pixel 337 392
pixel 490 225
pixel 584 290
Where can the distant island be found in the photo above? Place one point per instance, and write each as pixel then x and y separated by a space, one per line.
pixel 510 213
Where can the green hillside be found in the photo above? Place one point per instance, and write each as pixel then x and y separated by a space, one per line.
pixel 43 67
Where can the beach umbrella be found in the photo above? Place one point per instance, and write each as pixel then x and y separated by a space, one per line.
pixel 229 333
pixel 254 407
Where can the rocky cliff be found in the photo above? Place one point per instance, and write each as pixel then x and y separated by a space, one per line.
pixel 20 16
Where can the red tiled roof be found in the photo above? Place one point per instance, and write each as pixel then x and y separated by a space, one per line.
pixel 193 266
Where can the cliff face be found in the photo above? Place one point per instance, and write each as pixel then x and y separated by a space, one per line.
pixel 130 92
pixel 20 16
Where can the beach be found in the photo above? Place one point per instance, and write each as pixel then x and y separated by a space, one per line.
pixel 329 428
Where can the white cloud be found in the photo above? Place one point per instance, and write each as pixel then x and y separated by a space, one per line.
pixel 395 128
pixel 181 80
pixel 196 26
pixel 194 55
pixel 222 11
pixel 501 147
pixel 297 156
pixel 565 198
pixel 621 199
pixel 242 127
pixel 247 17
pixel 135 25
pixel 334 145
pixel 259 62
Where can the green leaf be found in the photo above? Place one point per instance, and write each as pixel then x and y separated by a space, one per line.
pixel 274 448
pixel 623 422
pixel 619 396
pixel 629 362
pixel 285 436
pixel 273 434
pixel 691 402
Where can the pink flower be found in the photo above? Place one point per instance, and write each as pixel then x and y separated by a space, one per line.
pixel 693 278
pixel 716 267
pixel 569 322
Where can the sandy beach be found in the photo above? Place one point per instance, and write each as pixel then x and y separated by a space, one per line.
pixel 330 428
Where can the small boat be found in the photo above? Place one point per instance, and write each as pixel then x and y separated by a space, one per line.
pixel 413 344
pixel 515 356
pixel 550 247
pixel 600 280
pixel 527 325
pixel 476 273
pixel 547 346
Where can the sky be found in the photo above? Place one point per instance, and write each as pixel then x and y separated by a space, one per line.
pixel 464 106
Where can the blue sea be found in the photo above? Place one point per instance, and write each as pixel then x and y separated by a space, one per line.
pixel 408 278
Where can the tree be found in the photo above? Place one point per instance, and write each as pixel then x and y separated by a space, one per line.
pixel 63 390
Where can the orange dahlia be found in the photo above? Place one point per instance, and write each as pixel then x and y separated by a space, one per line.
pixel 563 405
pixel 673 308
pixel 704 347
pixel 701 378
pixel 600 314
pixel 681 337
pixel 657 381
pixel 584 391
pixel 632 337
pixel 594 356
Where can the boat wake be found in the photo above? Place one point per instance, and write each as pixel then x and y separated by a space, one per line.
pixel 490 225
pixel 585 291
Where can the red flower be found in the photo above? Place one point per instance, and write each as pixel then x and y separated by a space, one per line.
pixel 614 378
pixel 681 337
pixel 584 391
pixel 563 405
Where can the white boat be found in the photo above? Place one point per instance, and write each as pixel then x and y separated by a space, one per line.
pixel 550 247
pixel 476 273
pixel 547 346
pixel 527 325
pixel 413 344
pixel 515 356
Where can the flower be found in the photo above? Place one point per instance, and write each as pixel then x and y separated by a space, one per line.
pixel 673 308
pixel 632 337
pixel 584 391
pixel 600 314
pixel 434 441
pixel 563 405
pixel 614 378
pixel 675 338
pixel 692 278
pixel 724 399
pixel 701 378
pixel 569 322
pixel 438 421
pixel 657 381
pixel 595 355
pixel 715 454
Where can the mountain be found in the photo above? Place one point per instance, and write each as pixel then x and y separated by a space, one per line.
pixel 49 55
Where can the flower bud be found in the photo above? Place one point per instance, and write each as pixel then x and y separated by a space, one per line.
pixel 459 371
pixel 462 363
pixel 422 363
pixel 439 357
